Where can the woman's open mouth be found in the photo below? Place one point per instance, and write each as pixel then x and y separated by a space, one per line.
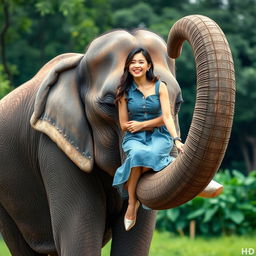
pixel 137 71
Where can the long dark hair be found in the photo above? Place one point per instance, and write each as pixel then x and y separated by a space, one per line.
pixel 126 78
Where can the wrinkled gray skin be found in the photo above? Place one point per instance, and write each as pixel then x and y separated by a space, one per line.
pixel 47 204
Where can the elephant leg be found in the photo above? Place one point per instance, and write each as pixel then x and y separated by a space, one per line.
pixel 76 200
pixel 12 236
pixel 137 241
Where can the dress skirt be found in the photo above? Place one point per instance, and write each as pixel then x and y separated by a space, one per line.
pixel 145 149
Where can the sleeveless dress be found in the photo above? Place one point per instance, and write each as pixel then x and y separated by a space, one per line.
pixel 144 148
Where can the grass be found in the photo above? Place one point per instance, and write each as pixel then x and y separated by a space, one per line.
pixel 165 244
pixel 3 249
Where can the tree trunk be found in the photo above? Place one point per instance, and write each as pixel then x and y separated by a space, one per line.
pixel 192 229
pixel 6 24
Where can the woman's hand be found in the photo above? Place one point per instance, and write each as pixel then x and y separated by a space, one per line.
pixel 134 126
pixel 180 146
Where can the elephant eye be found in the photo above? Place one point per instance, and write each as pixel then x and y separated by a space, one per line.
pixel 108 99
pixel 107 104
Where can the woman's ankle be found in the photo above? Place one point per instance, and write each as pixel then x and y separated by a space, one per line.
pixel 132 202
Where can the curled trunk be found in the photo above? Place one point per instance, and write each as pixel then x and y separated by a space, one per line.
pixel 212 119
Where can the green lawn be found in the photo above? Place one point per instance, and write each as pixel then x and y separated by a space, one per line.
pixel 3 249
pixel 164 244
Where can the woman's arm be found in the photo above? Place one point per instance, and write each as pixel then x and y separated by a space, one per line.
pixel 167 116
pixel 135 126
pixel 123 113
pixel 155 122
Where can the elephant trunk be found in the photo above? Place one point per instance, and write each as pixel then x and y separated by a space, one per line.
pixel 212 120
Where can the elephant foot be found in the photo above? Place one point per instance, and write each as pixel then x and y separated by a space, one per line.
pixel 213 189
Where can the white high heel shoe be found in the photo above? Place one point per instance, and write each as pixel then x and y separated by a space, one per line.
pixel 128 224
pixel 213 189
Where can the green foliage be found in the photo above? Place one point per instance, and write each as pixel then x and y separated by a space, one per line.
pixel 165 21
pixel 3 249
pixel 41 29
pixel 45 7
pixel 247 95
pixel 5 87
pixel 139 15
pixel 232 212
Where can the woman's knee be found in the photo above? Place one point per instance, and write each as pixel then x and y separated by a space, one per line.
pixel 140 153
pixel 145 169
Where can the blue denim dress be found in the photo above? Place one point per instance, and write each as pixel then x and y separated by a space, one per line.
pixel 144 148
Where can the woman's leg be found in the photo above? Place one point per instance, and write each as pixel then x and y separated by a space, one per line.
pixel 131 186
pixel 145 169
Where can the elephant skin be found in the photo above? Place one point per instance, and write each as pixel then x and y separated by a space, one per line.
pixel 60 144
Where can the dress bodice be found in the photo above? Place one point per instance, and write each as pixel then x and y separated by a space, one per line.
pixel 141 108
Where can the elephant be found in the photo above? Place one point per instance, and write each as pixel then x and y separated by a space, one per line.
pixel 60 143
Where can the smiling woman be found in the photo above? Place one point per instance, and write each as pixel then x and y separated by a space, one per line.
pixel 139 66
pixel 145 116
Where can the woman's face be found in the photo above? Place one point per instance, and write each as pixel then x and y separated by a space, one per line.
pixel 139 66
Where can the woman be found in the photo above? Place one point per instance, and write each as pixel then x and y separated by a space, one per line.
pixel 145 116
pixel 144 113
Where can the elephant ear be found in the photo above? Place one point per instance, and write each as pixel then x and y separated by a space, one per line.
pixel 60 113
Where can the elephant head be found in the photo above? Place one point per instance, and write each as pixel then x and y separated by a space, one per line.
pixel 75 106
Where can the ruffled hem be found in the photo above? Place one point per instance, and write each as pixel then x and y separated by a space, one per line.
pixel 120 177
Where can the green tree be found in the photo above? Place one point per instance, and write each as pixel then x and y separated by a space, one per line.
pixel 5 16
pixel 139 15
pixel 39 30
pixel 4 83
